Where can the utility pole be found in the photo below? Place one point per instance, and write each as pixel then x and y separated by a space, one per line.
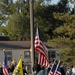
pixel 32 34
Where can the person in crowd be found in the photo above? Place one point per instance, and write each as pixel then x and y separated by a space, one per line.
pixel 55 64
pixel 13 63
pixel 24 70
pixel 69 70
pixel 1 69
pixel 49 67
pixel 27 67
pixel 73 70
pixel 42 71
pixel 36 67
pixel 9 68
pixel 62 68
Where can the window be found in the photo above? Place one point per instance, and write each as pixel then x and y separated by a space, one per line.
pixel 53 54
pixel 9 55
pixel 26 54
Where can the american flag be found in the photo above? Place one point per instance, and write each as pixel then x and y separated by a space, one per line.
pixel 5 70
pixel 58 70
pixel 41 49
pixel 52 70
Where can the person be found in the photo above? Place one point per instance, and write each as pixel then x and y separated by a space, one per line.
pixel 13 65
pixel 36 67
pixel 49 67
pixel 1 69
pixel 27 67
pixel 9 68
pixel 69 71
pixel 62 68
pixel 24 70
pixel 73 70
pixel 41 72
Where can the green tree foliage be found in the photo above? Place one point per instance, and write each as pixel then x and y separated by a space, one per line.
pixel 3 30
pixel 43 15
pixel 68 28
pixel 65 37
pixel 7 8
pixel 17 15
pixel 63 6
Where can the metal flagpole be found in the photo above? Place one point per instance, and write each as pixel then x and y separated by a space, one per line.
pixel 32 34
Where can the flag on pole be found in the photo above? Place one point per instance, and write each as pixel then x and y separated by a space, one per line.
pixel 58 70
pixel 18 70
pixel 41 49
pixel 52 70
pixel 5 66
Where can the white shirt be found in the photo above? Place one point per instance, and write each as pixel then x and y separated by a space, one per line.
pixel 73 70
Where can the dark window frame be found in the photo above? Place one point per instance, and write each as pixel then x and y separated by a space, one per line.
pixel 26 54
pixel 9 55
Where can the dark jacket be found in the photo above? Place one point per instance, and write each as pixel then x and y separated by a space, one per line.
pixel 36 68
pixel 1 71
pixel 62 71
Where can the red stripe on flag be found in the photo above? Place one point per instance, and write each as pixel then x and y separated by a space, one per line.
pixel 39 44
pixel 58 73
pixel 50 73
pixel 5 71
pixel 40 48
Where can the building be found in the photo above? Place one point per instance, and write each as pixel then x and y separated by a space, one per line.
pixel 15 48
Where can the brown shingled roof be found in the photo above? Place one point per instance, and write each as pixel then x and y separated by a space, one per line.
pixel 14 45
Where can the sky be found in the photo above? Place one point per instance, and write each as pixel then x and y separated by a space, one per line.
pixel 54 1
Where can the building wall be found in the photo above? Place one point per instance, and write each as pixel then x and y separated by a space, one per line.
pixel 15 54
pixel 26 55
pixel 53 54
pixel 1 55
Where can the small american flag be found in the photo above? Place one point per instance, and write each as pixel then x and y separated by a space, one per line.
pixel 58 70
pixel 52 70
pixel 5 70
pixel 41 49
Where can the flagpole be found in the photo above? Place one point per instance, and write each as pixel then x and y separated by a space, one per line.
pixel 32 34
pixel 4 51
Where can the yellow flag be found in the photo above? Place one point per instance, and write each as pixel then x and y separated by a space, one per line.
pixel 18 69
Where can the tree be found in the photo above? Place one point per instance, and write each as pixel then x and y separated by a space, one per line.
pixel 16 16
pixel 43 15
pixel 65 37
pixel 63 6
pixel 18 27
pixel 3 31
